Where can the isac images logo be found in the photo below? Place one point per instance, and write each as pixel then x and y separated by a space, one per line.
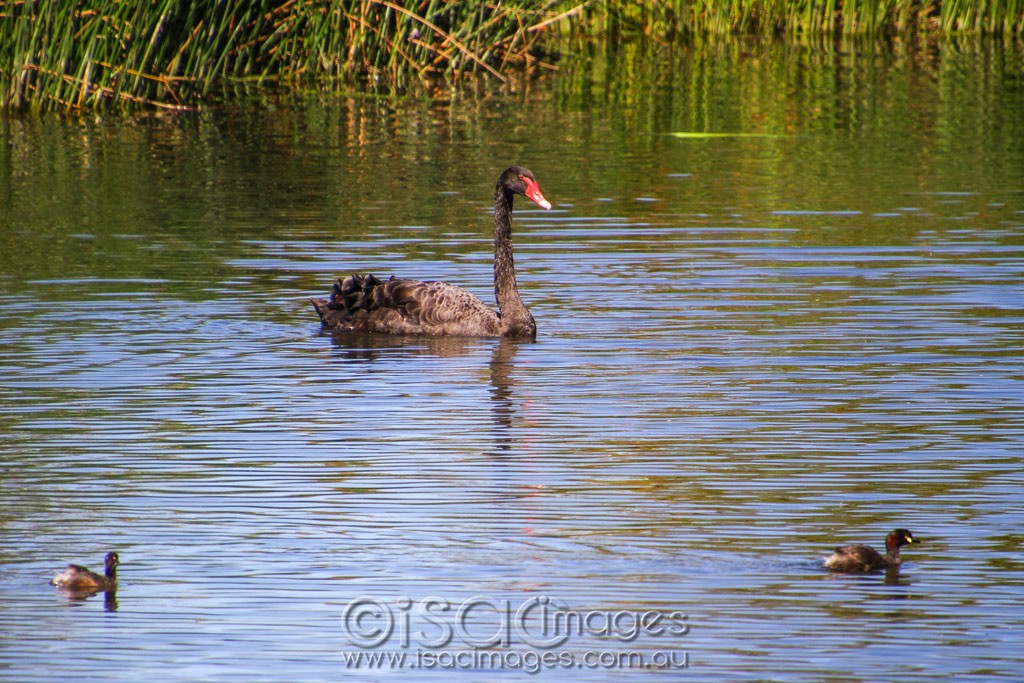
pixel 484 632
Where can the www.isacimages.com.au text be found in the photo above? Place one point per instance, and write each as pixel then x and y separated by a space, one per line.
pixel 529 661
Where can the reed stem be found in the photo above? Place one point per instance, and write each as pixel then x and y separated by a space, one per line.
pixel 165 53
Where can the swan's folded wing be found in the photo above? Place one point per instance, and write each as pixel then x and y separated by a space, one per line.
pixel 396 305
pixel 441 305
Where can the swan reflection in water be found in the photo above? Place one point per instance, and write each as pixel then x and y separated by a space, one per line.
pixel 376 354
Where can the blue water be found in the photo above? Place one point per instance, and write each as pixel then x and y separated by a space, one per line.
pixel 749 352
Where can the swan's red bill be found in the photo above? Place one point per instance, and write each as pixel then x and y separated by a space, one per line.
pixel 534 194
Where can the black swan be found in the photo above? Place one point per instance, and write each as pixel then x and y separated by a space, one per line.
pixel 363 303
pixel 864 558
pixel 78 578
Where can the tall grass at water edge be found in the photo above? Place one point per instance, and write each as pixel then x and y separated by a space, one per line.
pixel 171 54
pixel 165 53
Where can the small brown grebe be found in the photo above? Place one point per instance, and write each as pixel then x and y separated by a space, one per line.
pixel 78 578
pixel 864 558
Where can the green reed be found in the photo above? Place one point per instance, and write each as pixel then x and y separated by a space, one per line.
pixel 166 53
pixel 170 54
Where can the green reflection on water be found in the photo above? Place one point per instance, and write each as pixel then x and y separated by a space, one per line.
pixel 167 202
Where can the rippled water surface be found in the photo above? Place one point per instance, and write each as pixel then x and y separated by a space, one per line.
pixel 751 349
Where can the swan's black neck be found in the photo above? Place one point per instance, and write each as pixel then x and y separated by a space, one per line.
pixel 515 318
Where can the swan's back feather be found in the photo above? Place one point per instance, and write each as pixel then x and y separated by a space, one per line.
pixel 364 303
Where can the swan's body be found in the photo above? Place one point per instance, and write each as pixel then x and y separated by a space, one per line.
pixel 78 578
pixel 864 558
pixel 364 303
